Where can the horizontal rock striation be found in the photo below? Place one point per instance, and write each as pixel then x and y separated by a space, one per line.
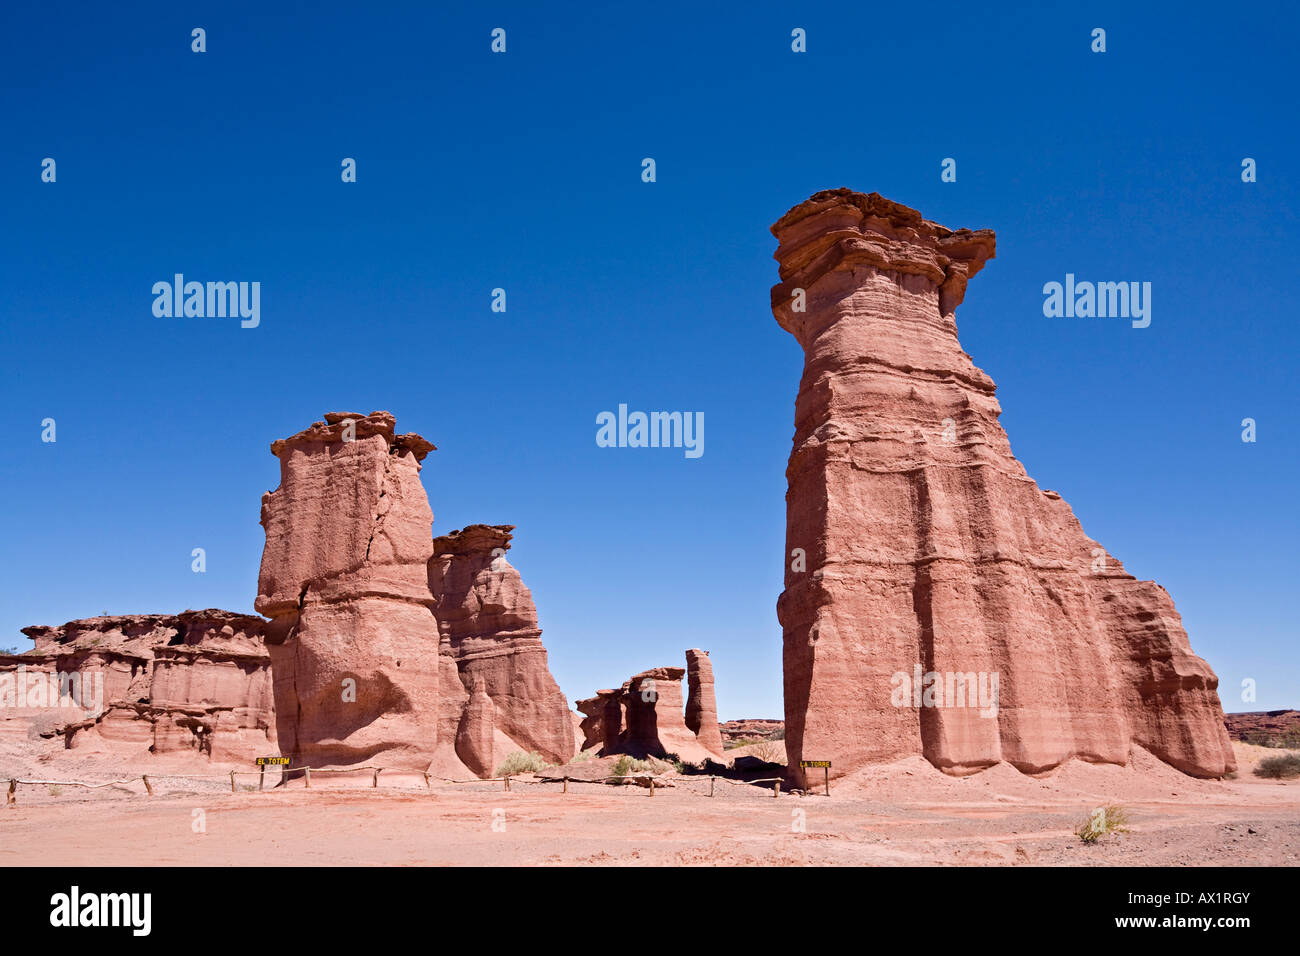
pixel 920 551
pixel 196 683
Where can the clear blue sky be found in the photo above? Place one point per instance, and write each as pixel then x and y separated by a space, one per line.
pixel 522 171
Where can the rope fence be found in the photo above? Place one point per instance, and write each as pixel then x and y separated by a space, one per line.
pixel 15 782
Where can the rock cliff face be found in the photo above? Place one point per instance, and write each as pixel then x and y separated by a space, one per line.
pixel 925 570
pixel 196 683
pixel 490 633
pixel 344 579
pixel 647 716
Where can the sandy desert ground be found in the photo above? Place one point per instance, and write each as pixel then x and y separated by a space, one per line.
pixel 901 814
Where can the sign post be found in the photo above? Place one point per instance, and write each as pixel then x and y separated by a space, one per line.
pixel 264 762
pixel 824 764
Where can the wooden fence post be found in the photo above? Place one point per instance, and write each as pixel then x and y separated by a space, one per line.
pixel 652 786
pixel 426 780
pixel 374 780
pixel 507 780
pixel 147 786
pixel 307 770
pixel 12 796
pixel 566 784
pixel 232 781
pixel 776 791
pixel 828 781
pixel 712 782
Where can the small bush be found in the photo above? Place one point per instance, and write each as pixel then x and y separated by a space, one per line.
pixel 520 762
pixel 1103 820
pixel 55 791
pixel 582 755
pixel 625 765
pixel 769 751
pixel 1279 768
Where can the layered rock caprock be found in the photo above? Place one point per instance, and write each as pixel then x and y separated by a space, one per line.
pixel 195 683
pixel 489 630
pixel 924 569
pixel 344 579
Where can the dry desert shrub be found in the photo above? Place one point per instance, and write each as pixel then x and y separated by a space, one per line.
pixel 769 751
pixel 1103 820
pixel 1279 768
pixel 625 765
pixel 520 762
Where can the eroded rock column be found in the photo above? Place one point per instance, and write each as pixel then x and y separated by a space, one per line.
pixel 490 630
pixel 920 552
pixel 701 706
pixel 344 579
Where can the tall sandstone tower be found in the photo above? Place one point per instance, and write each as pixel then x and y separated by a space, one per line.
pixel 926 547
pixel 385 641
pixel 344 579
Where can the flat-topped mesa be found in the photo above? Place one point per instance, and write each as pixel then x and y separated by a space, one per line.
pixel 490 634
pixel 141 685
pixel 916 542
pixel 353 640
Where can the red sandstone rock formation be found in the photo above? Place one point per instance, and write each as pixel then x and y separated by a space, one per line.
pixel 197 682
pixel 645 716
pixel 490 633
pixel 751 729
pixel 1273 725
pixel 916 540
pixel 701 706
pixel 344 579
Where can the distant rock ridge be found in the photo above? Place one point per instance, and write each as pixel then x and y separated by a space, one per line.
pixel 918 549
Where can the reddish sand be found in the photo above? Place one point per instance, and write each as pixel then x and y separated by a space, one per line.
pixel 907 813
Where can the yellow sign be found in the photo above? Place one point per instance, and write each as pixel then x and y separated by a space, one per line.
pixel 815 763
pixel 273 761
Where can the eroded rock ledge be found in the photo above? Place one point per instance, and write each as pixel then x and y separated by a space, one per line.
pixel 197 682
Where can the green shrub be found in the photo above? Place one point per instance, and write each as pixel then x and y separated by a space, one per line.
pixel 1103 820
pixel 582 755
pixel 625 765
pixel 520 762
pixel 1279 768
